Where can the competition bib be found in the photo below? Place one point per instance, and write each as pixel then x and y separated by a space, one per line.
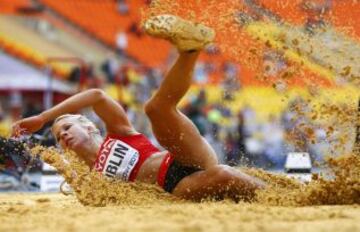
pixel 116 159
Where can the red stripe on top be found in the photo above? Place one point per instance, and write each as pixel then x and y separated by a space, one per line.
pixel 97 166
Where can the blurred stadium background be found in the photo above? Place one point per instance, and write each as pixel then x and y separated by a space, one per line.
pixel 283 76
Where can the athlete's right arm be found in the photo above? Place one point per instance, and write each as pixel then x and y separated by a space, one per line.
pixel 108 110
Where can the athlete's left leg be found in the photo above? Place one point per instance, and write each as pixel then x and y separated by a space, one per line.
pixel 173 130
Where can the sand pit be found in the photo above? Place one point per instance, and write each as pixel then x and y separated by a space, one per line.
pixel 55 212
pixel 136 207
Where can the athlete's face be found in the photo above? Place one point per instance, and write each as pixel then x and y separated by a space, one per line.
pixel 71 135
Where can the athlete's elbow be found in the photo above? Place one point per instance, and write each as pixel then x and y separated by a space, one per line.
pixel 97 94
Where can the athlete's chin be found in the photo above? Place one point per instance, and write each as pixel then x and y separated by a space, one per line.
pixel 76 147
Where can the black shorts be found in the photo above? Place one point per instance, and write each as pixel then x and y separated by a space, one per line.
pixel 175 173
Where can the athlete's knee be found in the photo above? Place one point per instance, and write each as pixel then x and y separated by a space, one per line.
pixel 154 108
pixel 223 175
pixel 151 108
pixel 229 177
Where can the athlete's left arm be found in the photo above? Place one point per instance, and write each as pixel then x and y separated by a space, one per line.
pixel 108 110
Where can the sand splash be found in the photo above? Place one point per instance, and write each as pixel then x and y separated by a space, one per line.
pixel 93 189
pixel 342 188
pixel 241 44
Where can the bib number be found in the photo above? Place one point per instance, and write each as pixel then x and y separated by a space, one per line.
pixel 117 159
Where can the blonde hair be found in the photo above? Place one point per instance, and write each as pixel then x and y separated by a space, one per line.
pixel 84 121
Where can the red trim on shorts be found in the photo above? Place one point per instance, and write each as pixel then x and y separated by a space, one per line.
pixel 163 169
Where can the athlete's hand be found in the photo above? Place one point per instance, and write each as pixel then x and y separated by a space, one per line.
pixel 28 125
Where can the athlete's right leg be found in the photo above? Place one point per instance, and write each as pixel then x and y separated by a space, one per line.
pixel 218 182
pixel 173 130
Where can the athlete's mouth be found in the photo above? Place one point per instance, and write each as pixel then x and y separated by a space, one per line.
pixel 68 141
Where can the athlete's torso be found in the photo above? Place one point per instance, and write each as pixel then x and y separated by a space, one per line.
pixel 149 171
pixel 129 158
